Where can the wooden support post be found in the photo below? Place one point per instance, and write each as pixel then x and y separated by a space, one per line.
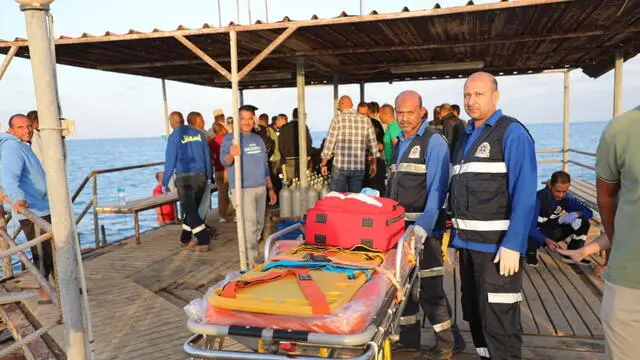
pixel 264 53
pixel 565 121
pixel 7 60
pixel 202 55
pixel 336 84
pixel 617 84
pixel 167 127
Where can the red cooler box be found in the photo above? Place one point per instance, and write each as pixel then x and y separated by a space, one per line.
pixel 347 220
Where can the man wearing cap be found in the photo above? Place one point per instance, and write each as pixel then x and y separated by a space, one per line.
pixel 218 117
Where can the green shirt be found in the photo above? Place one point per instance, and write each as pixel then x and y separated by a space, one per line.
pixel 618 161
pixel 393 130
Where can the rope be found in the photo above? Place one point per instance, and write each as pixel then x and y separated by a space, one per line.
pixel 26 340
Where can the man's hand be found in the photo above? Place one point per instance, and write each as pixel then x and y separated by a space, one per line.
pixel 373 167
pixel 575 255
pixel 452 256
pixel 324 170
pixel 272 197
pixel 20 204
pixel 551 245
pixel 569 218
pixel 234 150
pixel 509 261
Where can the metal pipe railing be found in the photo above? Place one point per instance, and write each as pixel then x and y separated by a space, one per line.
pixel 582 165
pixel 582 152
pixel 568 161
pixel 93 177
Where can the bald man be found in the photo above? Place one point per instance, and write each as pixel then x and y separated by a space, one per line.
pixel 419 177
pixel 350 136
pixel 176 119
pixel 492 201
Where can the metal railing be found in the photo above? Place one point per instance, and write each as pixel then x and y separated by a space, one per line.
pixel 565 164
pixel 93 177
pixel 9 248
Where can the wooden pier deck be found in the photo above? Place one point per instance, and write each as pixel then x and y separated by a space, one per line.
pixel 137 292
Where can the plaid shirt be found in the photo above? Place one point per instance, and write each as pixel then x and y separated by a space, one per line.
pixel 350 135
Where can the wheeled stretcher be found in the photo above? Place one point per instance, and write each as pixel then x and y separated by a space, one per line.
pixel 347 306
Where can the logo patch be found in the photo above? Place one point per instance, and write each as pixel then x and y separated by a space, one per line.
pixel 558 210
pixel 415 152
pixel 484 150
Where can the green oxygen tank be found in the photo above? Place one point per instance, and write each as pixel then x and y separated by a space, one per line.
pixel 285 201
pixel 296 209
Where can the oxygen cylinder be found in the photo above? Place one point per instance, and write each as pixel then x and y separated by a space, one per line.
pixel 296 209
pixel 324 191
pixel 312 196
pixel 285 202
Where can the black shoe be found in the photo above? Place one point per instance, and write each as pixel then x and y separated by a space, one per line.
pixel 402 348
pixel 438 354
pixel 568 260
pixel 532 259
pixel 458 340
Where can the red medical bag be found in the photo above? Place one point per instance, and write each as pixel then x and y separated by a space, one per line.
pixel 346 221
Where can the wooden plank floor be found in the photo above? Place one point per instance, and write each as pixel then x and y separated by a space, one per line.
pixel 137 292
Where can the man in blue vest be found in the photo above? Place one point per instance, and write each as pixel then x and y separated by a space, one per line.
pixel 187 155
pixel 492 200
pixel 418 181
pixel 557 216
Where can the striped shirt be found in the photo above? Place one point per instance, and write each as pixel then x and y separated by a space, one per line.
pixel 350 135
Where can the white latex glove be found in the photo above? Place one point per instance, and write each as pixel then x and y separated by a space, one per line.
pixel 420 233
pixel 509 261
pixel 569 218
pixel 452 256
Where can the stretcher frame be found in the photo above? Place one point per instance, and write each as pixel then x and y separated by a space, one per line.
pixel 374 343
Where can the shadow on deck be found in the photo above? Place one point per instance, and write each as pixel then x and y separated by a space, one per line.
pixel 137 292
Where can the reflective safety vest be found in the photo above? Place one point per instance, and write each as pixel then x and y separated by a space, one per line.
pixel 479 197
pixel 549 213
pixel 408 180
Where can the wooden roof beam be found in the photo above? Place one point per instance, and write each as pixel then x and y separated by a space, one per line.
pixel 202 55
pixel 7 60
pixel 268 50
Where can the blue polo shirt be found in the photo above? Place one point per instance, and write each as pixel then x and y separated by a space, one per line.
pixel 437 160
pixel 520 158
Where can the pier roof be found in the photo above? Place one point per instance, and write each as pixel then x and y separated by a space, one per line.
pixel 504 38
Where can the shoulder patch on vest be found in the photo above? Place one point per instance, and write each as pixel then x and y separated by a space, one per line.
pixel 484 150
pixel 415 152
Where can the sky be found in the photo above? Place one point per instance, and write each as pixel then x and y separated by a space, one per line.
pixel 109 105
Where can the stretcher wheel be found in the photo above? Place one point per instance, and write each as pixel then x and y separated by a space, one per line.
pixel 415 291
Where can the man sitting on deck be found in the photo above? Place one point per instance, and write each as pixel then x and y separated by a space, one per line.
pixel 551 226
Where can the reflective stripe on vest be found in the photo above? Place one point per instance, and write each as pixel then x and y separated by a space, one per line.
pixel 480 225
pixel 480 167
pixel 409 167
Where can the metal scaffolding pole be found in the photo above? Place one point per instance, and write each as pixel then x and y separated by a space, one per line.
pixel 565 121
pixel 302 129
pixel 237 165
pixel 241 96
pixel 336 83
pixel 617 84
pixel 362 92
pixel 43 68
pixel 167 128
